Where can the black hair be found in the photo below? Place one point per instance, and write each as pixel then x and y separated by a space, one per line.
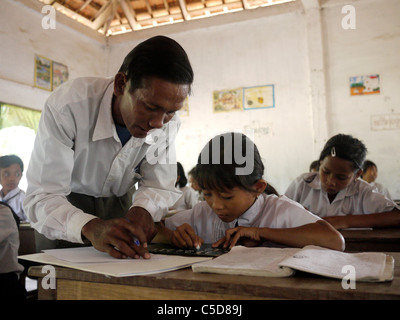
pixel 8 160
pixel 182 177
pixel 159 57
pixel 345 147
pixel 368 164
pixel 314 165
pixel 217 168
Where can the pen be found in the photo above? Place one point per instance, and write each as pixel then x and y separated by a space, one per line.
pixel 135 240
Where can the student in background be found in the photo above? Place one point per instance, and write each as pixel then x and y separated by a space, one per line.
pixel 236 208
pixel 10 270
pixel 370 173
pixel 194 184
pixel 314 166
pixel 189 197
pixel 11 169
pixel 335 192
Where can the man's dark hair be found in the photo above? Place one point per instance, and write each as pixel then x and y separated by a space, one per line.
pixel 159 57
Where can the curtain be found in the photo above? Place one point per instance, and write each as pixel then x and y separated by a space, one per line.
pixel 18 116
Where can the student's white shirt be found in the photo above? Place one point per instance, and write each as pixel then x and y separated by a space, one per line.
pixel 77 149
pixel 15 199
pixel 381 189
pixel 9 242
pixel 187 201
pixel 358 198
pixel 267 211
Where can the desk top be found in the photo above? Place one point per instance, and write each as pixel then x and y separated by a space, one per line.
pixel 372 235
pixel 299 286
pixel 383 239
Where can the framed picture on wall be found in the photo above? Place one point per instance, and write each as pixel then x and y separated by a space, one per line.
pixel 43 73
pixel 259 97
pixel 360 85
pixel 228 100
pixel 60 74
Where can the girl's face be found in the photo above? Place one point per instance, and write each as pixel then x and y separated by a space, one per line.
pixel 231 204
pixel 336 174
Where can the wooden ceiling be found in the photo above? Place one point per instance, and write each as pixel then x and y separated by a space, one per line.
pixel 112 17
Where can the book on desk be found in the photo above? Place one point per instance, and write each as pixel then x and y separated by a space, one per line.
pixel 283 262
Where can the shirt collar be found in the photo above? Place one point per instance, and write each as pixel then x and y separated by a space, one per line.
pixel 12 193
pixel 246 218
pixel 350 191
pixel 105 127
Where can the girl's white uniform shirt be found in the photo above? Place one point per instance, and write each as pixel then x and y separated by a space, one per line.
pixel 267 211
pixel 358 198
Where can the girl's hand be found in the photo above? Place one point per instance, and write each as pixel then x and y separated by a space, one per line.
pixel 185 237
pixel 249 237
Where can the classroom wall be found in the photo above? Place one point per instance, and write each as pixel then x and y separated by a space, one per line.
pixel 300 48
pixel 22 36
pixel 372 48
pixel 243 54
pixel 309 58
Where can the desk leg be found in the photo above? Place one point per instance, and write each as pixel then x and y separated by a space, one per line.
pixel 46 294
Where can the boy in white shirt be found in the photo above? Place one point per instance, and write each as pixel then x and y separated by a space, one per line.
pixel 11 169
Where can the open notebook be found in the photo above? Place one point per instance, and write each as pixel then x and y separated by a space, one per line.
pixel 283 262
pixel 92 260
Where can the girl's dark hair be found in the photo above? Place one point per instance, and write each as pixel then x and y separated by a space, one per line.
pixel 181 173
pixel 219 160
pixel 159 57
pixel 6 161
pixel 368 164
pixel 345 147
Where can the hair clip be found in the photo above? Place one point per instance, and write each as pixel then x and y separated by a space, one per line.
pixel 333 152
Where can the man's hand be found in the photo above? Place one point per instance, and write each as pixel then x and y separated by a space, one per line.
pixel 116 237
pixel 142 220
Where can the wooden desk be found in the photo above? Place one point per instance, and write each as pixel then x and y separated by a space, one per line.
pixel 185 284
pixel 27 243
pixel 385 239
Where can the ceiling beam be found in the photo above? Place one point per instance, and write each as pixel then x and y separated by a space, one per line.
pixel 182 5
pixel 129 14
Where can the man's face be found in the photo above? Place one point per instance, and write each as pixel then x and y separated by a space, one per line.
pixel 151 106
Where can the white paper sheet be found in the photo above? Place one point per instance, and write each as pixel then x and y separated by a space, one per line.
pixel 91 260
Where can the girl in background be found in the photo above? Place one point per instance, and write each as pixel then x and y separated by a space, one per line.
pixel 189 197
pixel 336 194
pixel 236 208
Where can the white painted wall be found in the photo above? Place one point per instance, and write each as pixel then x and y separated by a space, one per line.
pixel 22 36
pixel 281 49
pixel 372 48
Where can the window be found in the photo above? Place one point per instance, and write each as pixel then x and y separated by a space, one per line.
pixel 18 127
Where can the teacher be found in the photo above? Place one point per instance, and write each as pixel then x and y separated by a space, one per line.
pixel 97 138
